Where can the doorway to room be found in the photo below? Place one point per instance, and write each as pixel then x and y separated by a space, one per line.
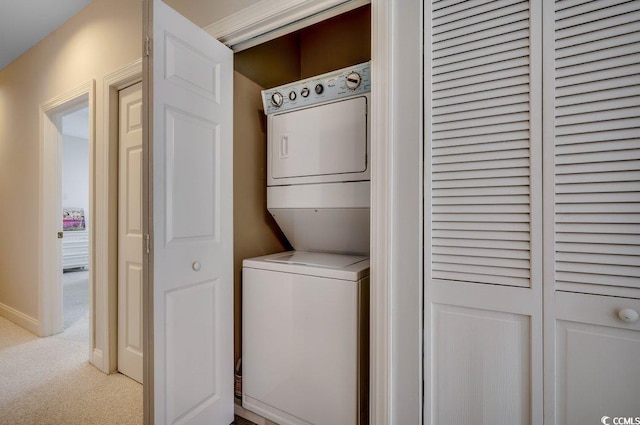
pixel 74 135
pixel 91 264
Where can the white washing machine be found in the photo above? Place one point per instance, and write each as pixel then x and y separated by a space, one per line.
pixel 305 338
pixel 305 312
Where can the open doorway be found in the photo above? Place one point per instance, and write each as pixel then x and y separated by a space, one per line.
pixel 74 130
pixel 66 137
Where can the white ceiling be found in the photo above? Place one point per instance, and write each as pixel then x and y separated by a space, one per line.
pixel 25 22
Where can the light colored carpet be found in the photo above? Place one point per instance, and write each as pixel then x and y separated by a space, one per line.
pixel 75 289
pixel 49 380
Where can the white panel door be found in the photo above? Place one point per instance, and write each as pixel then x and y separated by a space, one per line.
pixel 192 274
pixel 130 233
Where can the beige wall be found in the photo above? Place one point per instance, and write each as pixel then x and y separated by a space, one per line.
pixel 273 63
pixel 206 12
pixel 254 231
pixel 336 43
pixel 100 39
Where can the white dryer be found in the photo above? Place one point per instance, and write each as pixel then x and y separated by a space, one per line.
pixel 318 160
pixel 305 312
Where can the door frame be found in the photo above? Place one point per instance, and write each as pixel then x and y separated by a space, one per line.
pixel 50 196
pixel 103 183
pixel 105 344
pixel 396 371
pixel 396 238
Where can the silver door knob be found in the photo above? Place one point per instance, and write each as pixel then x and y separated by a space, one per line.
pixel 628 315
pixel 196 266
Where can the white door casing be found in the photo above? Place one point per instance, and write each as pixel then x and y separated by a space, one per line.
pixel 191 230
pixel 104 345
pixel 50 295
pixel 130 233
pixel 389 33
pixel 396 184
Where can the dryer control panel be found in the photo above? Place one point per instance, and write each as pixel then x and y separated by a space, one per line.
pixel 327 87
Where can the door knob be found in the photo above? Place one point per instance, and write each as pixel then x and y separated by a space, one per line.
pixel 196 266
pixel 60 235
pixel 628 315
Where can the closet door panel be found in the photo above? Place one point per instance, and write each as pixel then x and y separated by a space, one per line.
pixel 482 368
pixel 483 282
pixel 596 359
pixel 592 207
pixel 596 143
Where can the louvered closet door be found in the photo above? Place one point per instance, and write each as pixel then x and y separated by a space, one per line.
pixel 483 292
pixel 592 147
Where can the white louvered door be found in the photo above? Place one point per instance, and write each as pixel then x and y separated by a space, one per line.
pixel 505 138
pixel 592 188
pixel 483 234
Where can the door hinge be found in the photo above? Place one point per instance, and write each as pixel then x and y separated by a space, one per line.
pixel 147 243
pixel 147 46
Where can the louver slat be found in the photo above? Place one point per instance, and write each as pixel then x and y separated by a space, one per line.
pixel 592 12
pixel 597 144
pixel 480 143
pixel 585 68
pixel 628 207
pixel 475 19
pixel 610 21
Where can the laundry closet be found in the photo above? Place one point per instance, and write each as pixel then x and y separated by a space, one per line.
pixel 339 43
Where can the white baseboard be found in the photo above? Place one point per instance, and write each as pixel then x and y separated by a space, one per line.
pixel 19 318
pixel 250 416
pixel 97 359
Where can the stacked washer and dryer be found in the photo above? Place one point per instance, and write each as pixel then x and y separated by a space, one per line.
pixel 306 312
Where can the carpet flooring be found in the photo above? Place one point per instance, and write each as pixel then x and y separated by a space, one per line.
pixel 75 287
pixel 49 381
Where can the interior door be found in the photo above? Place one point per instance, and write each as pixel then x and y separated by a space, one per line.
pixel 130 233
pixel 191 91
pixel 483 280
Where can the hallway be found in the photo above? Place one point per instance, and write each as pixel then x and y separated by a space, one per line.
pixel 49 380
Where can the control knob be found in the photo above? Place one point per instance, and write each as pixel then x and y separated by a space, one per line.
pixel 305 92
pixel 319 88
pixel 277 99
pixel 292 95
pixel 353 80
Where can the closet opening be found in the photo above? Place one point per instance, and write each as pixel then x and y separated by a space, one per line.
pixel 337 43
